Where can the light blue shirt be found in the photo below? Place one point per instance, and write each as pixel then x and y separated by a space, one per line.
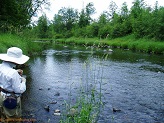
pixel 10 80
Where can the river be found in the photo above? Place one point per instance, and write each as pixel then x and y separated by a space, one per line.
pixel 131 82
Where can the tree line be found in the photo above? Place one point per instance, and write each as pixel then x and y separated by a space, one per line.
pixel 140 20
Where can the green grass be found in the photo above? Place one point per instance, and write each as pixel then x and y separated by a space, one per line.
pixel 127 42
pixel 9 40
pixel 85 110
pixel 26 44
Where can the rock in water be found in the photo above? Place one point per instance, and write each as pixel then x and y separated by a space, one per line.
pixel 53 102
pixel 47 108
pixel 57 112
pixel 57 94
pixel 116 110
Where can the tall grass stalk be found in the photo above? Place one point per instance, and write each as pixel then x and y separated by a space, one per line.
pixel 89 97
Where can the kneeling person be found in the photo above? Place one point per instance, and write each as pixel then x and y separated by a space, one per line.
pixel 12 84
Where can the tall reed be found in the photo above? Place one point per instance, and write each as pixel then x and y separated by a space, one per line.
pixel 88 103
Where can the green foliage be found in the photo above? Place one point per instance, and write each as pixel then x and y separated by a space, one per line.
pixel 68 17
pixel 23 42
pixel 9 40
pixel 79 32
pixel 141 21
pixel 112 9
pixel 92 30
pixel 147 23
pixel 126 42
pixel 42 27
pixel 85 15
pixel 83 20
pixel 16 14
pixel 102 19
pixel 104 31
pixel 84 110
pixel 64 22
pixel 158 24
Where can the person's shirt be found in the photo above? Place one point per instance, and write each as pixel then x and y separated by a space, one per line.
pixel 10 80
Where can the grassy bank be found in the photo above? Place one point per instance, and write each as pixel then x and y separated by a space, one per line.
pixel 26 44
pixel 127 42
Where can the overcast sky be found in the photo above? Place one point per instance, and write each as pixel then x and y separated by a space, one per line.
pixel 100 5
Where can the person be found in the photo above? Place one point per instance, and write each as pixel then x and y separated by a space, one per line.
pixel 12 84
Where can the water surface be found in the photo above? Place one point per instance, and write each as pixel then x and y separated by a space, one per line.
pixel 131 82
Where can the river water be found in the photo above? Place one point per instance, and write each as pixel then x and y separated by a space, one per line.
pixel 131 82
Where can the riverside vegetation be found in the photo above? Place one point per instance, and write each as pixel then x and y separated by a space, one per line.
pixel 138 29
pixel 127 42
pixel 25 43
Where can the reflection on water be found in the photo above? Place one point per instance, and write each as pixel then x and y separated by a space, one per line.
pixel 131 82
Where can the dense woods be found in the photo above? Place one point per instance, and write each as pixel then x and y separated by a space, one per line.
pixel 140 20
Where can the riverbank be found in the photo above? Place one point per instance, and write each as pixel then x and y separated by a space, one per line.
pixel 127 42
pixel 25 43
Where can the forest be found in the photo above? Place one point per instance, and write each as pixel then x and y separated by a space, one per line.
pixel 140 20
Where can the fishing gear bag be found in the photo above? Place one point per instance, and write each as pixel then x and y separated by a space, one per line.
pixel 10 102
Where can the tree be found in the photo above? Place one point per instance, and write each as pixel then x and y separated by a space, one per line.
pixel 85 15
pixel 137 8
pixel 112 9
pixel 90 10
pixel 158 24
pixel 58 24
pixel 137 12
pixel 124 11
pixel 65 21
pixel 83 21
pixel 18 13
pixel 102 19
pixel 42 27
pixel 103 25
pixel 92 30
pixel 69 17
pixel 125 20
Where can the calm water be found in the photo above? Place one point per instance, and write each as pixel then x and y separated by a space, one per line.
pixel 131 82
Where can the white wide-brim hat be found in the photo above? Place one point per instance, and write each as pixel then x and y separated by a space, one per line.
pixel 14 54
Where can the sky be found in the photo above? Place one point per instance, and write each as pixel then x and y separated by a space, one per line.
pixel 100 5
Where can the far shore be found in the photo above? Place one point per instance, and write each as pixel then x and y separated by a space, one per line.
pixel 127 42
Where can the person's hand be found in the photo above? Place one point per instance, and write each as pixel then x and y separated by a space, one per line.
pixel 23 79
pixel 20 72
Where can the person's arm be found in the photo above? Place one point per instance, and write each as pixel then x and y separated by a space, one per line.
pixel 18 83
